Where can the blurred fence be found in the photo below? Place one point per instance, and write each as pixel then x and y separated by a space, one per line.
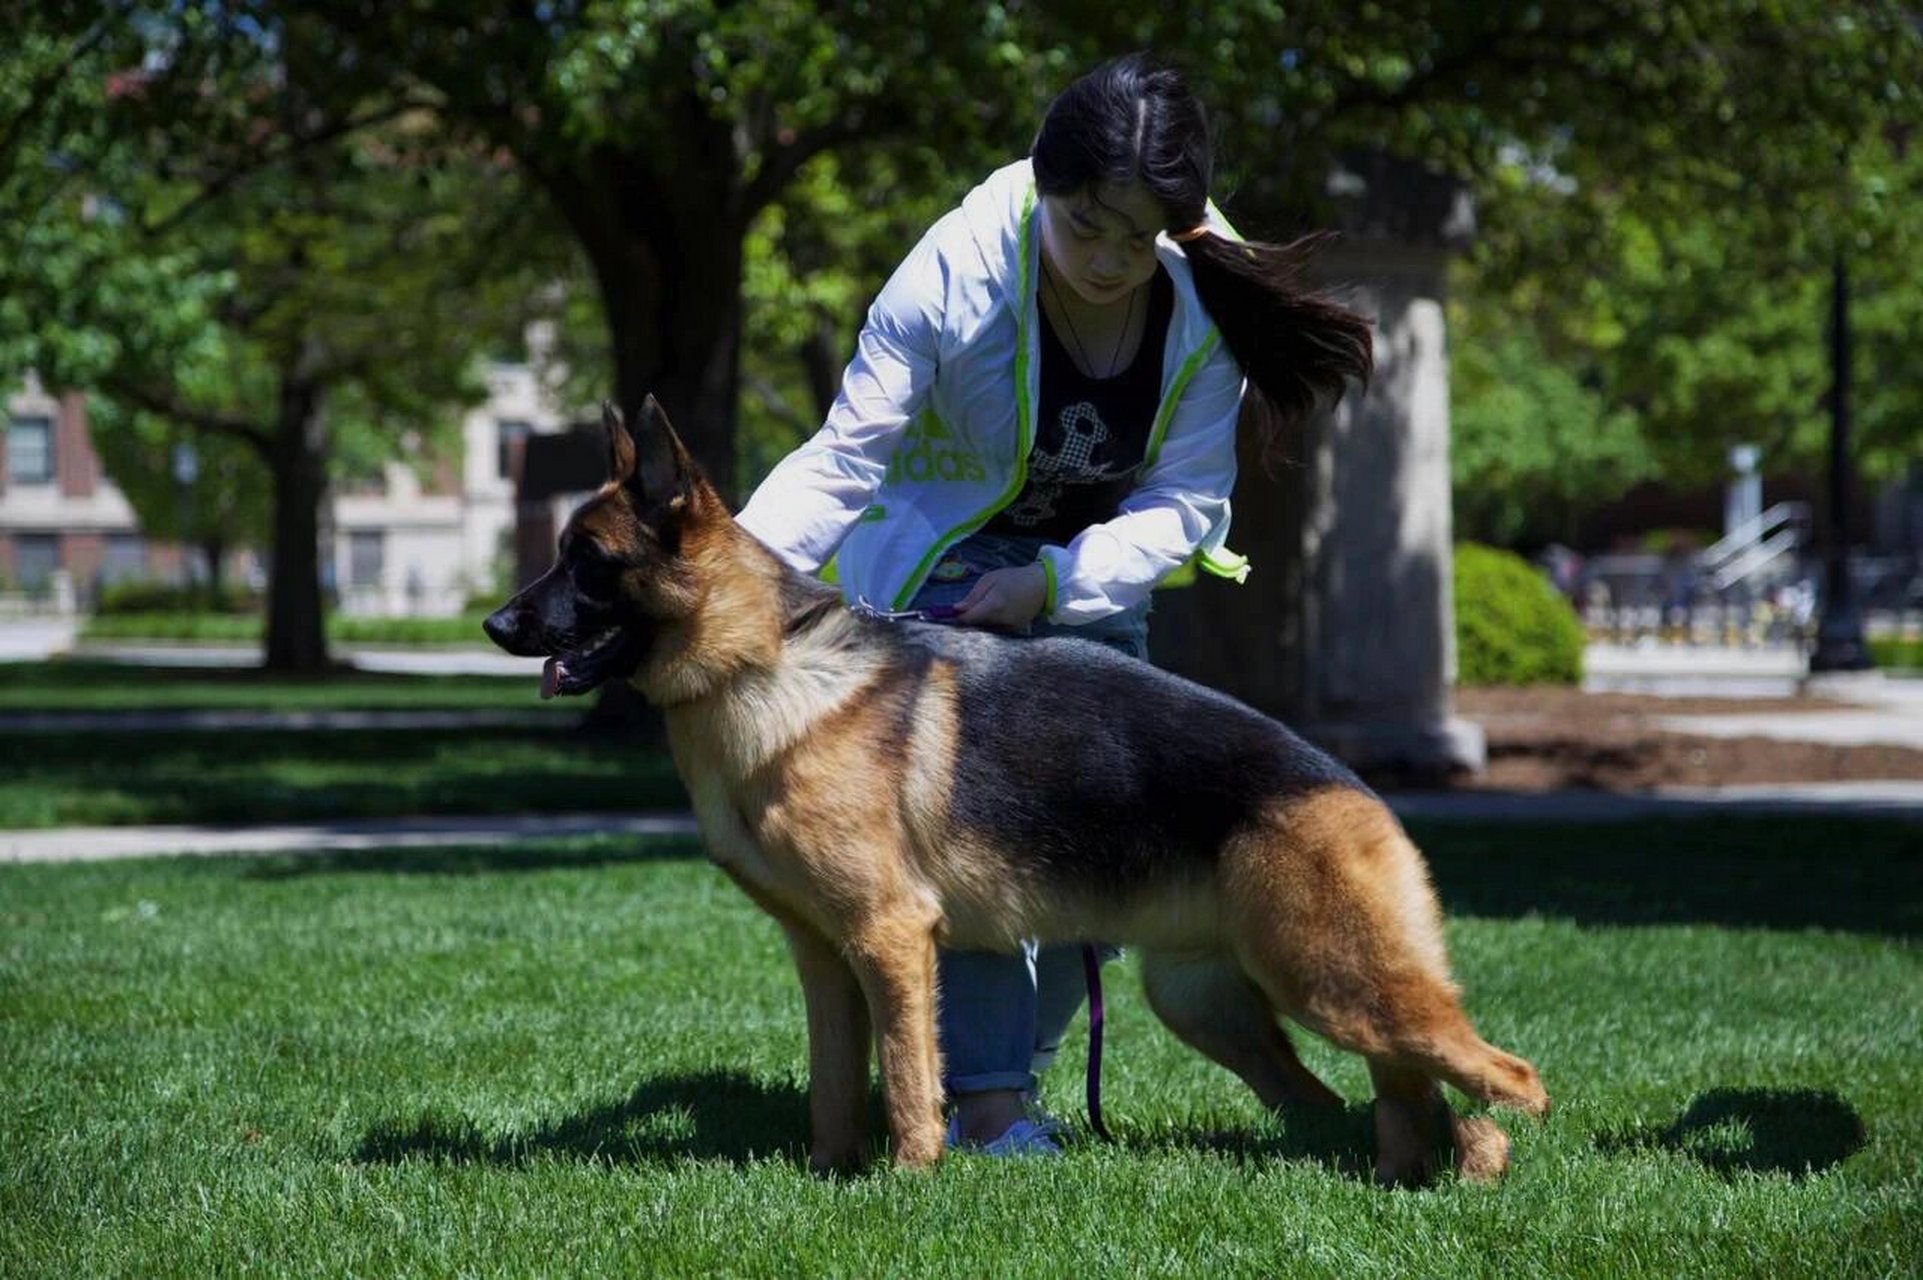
pixel 55 598
pixel 1696 599
pixel 1757 586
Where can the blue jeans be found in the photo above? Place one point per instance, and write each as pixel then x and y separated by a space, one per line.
pixel 1002 1017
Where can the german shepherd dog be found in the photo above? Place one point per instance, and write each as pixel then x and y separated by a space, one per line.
pixel 883 787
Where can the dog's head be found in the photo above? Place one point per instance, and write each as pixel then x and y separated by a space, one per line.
pixel 621 577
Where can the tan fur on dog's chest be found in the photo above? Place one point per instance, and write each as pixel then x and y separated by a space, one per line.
pixel 791 796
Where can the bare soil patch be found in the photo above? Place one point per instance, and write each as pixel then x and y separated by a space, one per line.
pixel 1543 739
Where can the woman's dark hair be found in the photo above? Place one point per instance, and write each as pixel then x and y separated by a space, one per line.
pixel 1132 120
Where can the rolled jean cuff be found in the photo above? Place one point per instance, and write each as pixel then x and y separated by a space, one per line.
pixel 989 1081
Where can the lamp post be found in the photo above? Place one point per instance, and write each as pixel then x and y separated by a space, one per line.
pixel 1839 628
pixel 186 471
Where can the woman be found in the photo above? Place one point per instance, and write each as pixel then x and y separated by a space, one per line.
pixel 1038 426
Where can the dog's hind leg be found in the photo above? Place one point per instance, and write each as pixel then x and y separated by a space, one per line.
pixel 1408 1125
pixel 893 956
pixel 1211 1006
pixel 837 1052
pixel 1331 912
pixel 1413 1124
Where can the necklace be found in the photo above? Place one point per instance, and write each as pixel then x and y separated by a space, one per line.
pixel 1121 342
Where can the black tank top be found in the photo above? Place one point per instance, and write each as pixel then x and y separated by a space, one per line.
pixel 1090 433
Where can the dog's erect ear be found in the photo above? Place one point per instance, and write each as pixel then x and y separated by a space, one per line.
pixel 664 470
pixel 621 451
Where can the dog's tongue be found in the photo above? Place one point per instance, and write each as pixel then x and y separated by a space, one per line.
pixel 551 673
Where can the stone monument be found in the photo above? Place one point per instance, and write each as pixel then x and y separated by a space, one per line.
pixel 1345 627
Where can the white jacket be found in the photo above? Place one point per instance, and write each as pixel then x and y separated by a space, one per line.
pixel 930 435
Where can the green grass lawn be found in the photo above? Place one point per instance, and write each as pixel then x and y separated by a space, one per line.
pixel 60 779
pixel 588 1058
pixel 80 685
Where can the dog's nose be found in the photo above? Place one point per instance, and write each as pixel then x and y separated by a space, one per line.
pixel 500 628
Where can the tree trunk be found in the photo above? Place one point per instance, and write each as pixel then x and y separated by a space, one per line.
pixel 670 288
pixel 296 637
pixel 670 285
pixel 693 369
pixel 213 548
pixel 822 359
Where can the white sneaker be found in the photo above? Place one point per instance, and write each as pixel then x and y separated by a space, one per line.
pixel 1025 1137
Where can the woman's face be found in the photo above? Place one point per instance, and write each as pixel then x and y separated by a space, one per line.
pixel 1102 241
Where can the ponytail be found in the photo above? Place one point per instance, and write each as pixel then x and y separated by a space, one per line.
pixel 1296 346
pixel 1134 119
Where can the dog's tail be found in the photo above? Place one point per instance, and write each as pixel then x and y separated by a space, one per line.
pixel 1334 915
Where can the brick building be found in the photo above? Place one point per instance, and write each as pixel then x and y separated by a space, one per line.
pixel 400 543
pixel 63 525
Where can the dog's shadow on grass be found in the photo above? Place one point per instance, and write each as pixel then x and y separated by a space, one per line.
pixel 1342 1141
pixel 725 1116
pixel 734 1118
pixel 1794 1132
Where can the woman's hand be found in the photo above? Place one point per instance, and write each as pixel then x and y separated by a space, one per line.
pixel 1005 598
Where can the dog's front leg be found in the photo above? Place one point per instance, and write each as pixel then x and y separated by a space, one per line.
pixel 893 955
pixel 837 1052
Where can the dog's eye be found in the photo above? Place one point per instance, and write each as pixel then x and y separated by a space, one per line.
pixel 594 577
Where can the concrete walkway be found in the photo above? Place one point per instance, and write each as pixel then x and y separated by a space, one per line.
pixel 99 844
pixel 1869 709
pixel 1899 800
pixel 1902 800
pixel 35 639
pixel 1690 671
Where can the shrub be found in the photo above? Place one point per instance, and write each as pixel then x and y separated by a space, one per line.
pixel 1512 627
pixel 168 597
pixel 197 628
pixel 1894 653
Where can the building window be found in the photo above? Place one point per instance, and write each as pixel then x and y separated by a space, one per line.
pixel 366 549
pixel 35 557
pixel 126 559
pixel 510 444
pixel 30 451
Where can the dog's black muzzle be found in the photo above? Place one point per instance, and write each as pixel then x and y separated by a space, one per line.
pixel 584 644
pixel 507 628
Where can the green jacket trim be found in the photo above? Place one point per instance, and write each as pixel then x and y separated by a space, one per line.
pixel 1024 426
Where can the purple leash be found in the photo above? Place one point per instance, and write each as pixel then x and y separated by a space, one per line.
pixel 1092 968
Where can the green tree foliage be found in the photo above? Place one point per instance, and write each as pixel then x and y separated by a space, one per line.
pixel 225 255
pixel 224 507
pixel 660 130
pixel 699 152
pixel 1531 448
pixel 1699 326
pixel 813 262
pixel 1648 172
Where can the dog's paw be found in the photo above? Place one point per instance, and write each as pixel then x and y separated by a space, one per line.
pixel 825 1162
pixel 919 1150
pixel 1482 1150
